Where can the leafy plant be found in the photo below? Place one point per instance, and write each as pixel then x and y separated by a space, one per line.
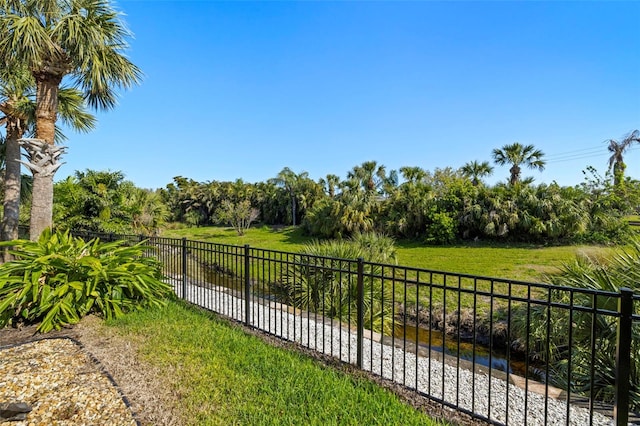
pixel 59 279
pixel 239 215
pixel 441 228
pixel 603 274
pixel 100 201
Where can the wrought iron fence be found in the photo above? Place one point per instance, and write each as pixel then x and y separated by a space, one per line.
pixel 503 351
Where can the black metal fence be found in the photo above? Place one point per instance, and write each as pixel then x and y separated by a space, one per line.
pixel 503 351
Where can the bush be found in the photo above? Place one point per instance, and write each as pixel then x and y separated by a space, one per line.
pixel 59 279
pixel 441 229
pixel 240 215
pixel 607 274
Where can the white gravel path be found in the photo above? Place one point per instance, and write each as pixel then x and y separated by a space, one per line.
pixel 493 398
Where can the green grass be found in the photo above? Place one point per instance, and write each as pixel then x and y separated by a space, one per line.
pixel 523 262
pixel 227 377
pixel 518 262
pixel 282 239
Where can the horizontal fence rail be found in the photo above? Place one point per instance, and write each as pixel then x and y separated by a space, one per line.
pixel 502 351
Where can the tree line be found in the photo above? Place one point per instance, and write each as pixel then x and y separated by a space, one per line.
pixel 437 207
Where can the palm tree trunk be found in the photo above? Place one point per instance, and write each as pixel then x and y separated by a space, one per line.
pixel 515 174
pixel 293 208
pixel 12 182
pixel 44 161
pixel 12 185
pixel 41 205
pixel 46 108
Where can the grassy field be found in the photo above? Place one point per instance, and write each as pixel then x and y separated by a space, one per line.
pixel 225 376
pixel 519 262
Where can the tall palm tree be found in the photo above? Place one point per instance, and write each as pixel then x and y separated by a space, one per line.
pixel 79 40
pixel 617 150
pixel 15 107
pixel 17 103
pixel 289 180
pixel 517 155
pixel 475 171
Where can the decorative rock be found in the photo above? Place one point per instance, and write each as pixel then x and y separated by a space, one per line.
pixel 13 411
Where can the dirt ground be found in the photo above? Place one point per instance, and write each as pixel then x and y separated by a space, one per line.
pixel 147 391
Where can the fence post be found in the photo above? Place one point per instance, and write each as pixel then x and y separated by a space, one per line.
pixel 247 285
pixel 184 268
pixel 360 312
pixel 623 357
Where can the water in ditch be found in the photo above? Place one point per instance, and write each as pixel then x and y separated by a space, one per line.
pixel 481 355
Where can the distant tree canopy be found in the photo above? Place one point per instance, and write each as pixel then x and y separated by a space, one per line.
pixel 435 207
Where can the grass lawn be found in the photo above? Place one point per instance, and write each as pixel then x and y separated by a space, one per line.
pixel 519 262
pixel 225 376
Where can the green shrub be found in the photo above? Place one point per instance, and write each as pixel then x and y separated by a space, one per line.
pixel 441 229
pixel 603 274
pixel 59 279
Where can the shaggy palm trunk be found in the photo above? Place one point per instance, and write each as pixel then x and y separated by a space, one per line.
pixel 41 205
pixel 12 183
pixel 618 174
pixel 46 108
pixel 515 174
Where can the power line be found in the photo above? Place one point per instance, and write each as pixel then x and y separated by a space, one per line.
pixel 576 151
pixel 580 154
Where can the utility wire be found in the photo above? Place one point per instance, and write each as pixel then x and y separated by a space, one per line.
pixel 580 154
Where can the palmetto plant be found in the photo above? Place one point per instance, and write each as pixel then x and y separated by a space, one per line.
pixel 571 365
pixel 58 279
pixel 323 279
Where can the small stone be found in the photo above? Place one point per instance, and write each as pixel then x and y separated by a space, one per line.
pixel 14 411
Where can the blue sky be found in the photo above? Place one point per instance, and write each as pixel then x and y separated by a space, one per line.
pixel 241 89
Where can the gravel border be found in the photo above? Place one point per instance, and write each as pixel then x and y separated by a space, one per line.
pixel 62 383
pixel 492 397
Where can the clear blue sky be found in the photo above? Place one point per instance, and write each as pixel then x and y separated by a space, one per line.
pixel 241 89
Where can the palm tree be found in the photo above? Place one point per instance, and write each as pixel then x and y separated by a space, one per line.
pixel 17 93
pixel 369 176
pixel 475 171
pixel 617 150
pixel 517 154
pixel 80 40
pixel 289 180
pixel 413 173
pixel 14 104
